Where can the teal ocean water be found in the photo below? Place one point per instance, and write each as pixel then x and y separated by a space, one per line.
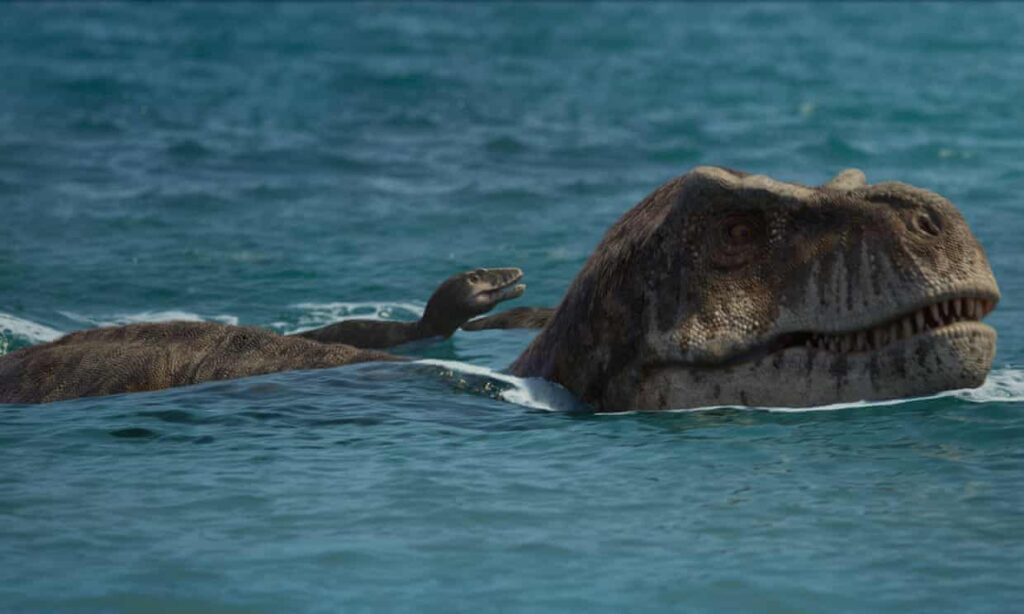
pixel 290 165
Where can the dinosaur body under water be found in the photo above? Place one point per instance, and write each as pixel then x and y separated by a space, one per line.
pixel 719 288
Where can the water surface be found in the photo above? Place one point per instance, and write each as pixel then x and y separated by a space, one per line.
pixel 290 165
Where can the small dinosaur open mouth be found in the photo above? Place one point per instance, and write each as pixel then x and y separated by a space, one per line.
pixel 933 317
pixel 505 289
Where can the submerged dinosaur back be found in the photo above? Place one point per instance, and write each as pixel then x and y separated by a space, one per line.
pixel 142 357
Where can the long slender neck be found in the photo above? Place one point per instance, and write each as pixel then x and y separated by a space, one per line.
pixel 428 326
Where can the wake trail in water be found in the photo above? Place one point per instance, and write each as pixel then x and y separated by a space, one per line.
pixel 172 315
pixel 12 326
pixel 1001 386
pixel 322 314
pixel 315 315
pixel 16 332
pixel 532 392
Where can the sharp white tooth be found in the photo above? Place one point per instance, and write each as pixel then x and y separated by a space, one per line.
pixel 861 342
pixel 919 321
pixel 958 307
pixel 894 331
pixel 908 328
pixel 876 337
pixel 947 308
pixel 934 310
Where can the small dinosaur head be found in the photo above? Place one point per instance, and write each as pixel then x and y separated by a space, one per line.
pixel 723 288
pixel 470 294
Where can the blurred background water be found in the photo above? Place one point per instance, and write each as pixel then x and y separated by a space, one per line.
pixel 288 165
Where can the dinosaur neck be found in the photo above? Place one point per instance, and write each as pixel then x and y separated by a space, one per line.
pixel 428 326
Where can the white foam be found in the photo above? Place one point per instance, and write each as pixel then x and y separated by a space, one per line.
pixel 320 314
pixel 172 315
pixel 1002 386
pixel 531 392
pixel 26 329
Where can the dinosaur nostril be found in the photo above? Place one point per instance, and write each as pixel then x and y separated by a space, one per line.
pixel 925 224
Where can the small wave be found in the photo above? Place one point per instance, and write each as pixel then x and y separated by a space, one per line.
pixel 26 329
pixel 319 314
pixel 532 392
pixel 1003 386
pixel 148 316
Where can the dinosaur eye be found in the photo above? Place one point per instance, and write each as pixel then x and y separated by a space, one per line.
pixel 926 225
pixel 740 233
pixel 737 238
pixel 473 278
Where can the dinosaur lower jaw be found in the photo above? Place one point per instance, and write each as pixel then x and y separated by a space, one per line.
pixel 506 293
pixel 950 357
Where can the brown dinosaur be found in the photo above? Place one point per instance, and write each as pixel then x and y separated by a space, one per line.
pixel 724 288
pixel 142 357
pixel 719 288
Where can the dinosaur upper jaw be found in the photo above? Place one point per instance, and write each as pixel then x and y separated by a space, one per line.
pixel 502 285
pixel 928 320
pixel 929 317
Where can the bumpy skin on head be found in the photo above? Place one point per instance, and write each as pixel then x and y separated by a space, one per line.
pixel 456 300
pixel 723 288
pixel 517 317
pixel 141 357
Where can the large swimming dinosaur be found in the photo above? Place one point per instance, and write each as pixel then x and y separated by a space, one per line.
pixel 718 288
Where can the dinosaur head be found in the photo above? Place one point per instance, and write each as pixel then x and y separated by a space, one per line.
pixel 470 294
pixel 723 288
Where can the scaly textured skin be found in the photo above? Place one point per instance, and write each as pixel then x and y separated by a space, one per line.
pixel 517 317
pixel 142 357
pixel 717 289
